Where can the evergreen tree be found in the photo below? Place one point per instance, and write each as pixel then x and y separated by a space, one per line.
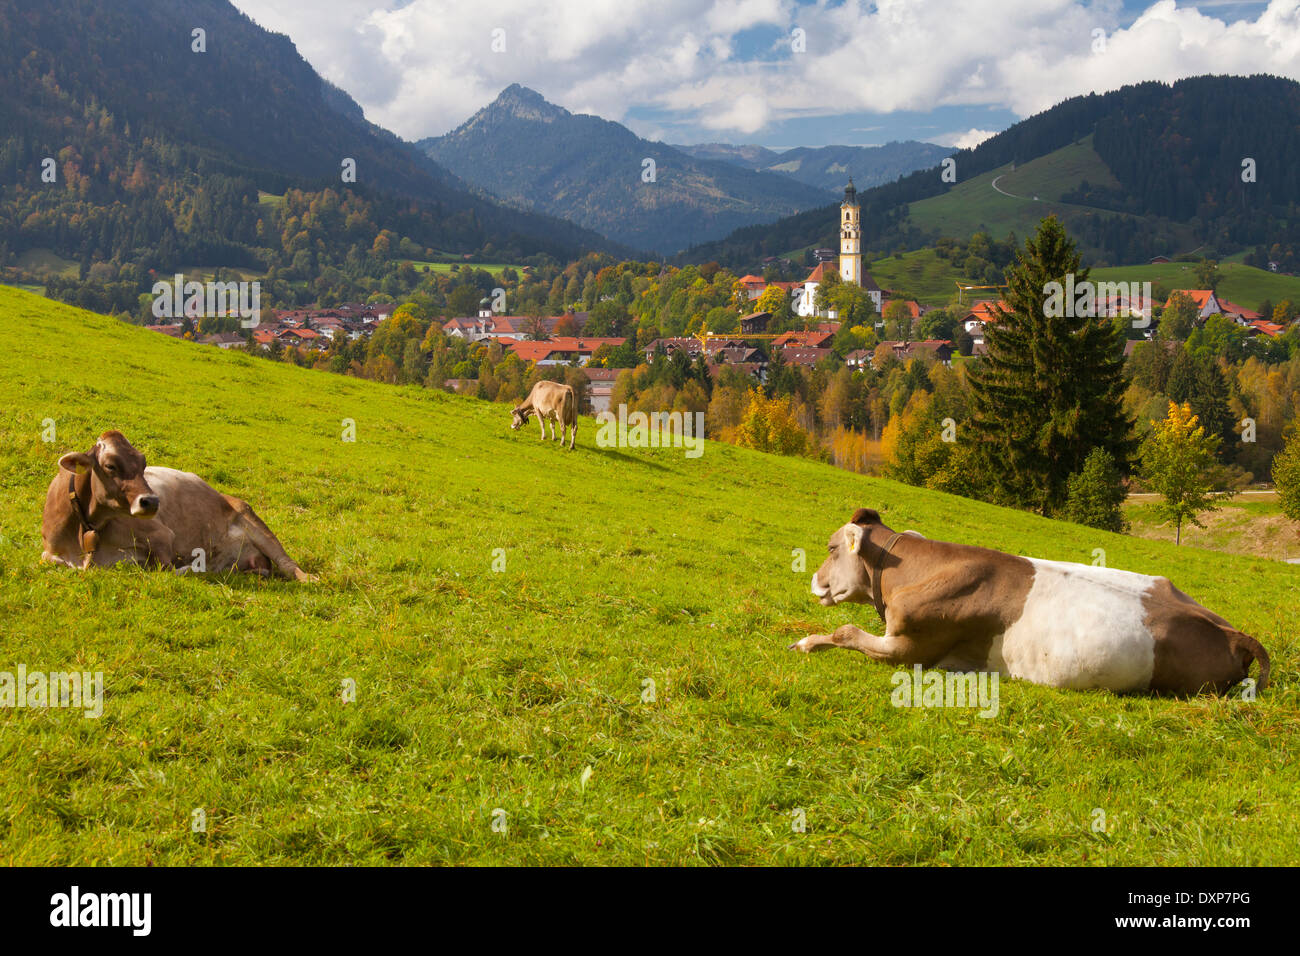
pixel 1096 493
pixel 1049 388
pixel 1196 380
pixel 1181 384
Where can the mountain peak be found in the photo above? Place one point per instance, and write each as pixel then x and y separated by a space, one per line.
pixel 522 103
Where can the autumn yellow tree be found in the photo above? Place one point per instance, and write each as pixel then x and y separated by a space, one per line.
pixel 1177 459
pixel 771 300
pixel 770 425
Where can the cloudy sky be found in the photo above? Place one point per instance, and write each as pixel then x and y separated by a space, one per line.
pixel 776 72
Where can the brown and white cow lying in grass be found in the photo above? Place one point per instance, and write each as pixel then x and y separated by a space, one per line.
pixel 549 401
pixel 963 608
pixel 106 506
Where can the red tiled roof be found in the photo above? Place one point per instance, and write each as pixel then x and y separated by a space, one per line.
pixel 804 356
pixel 1199 296
pixel 1250 315
pixel 538 351
pixel 804 339
pixel 602 374
pixel 913 307
pixel 987 310
pixel 1268 328
pixel 818 274
pixel 931 344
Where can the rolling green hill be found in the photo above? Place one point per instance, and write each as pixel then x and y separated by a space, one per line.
pixel 1013 198
pixel 526 690
pixel 1239 283
pixel 921 274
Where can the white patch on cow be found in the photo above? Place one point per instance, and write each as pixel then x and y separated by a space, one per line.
pixel 164 480
pixel 1082 627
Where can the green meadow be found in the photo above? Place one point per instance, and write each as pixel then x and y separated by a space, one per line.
pixel 586 649
pixel 446 267
pixel 1245 285
pixel 924 276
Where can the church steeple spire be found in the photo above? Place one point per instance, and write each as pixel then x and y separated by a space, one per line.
pixel 850 237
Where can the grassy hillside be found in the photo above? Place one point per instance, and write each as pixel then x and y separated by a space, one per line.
pixel 920 274
pixel 1242 284
pixel 974 205
pixel 1050 177
pixel 931 279
pixel 1014 198
pixel 521 690
pixel 45 262
pixel 492 267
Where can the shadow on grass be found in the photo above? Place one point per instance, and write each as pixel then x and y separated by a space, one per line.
pixel 611 453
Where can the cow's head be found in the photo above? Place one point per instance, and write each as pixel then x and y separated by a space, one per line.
pixel 117 482
pixel 518 418
pixel 843 576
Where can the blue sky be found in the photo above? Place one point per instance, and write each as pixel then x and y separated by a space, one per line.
pixel 779 73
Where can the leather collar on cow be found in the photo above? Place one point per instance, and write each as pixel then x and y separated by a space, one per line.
pixel 876 597
pixel 87 533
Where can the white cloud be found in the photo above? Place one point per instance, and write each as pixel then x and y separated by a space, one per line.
pixel 967 140
pixel 421 67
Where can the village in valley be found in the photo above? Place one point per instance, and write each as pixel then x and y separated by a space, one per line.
pixel 557 340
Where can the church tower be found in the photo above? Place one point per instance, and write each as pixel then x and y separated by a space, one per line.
pixel 850 237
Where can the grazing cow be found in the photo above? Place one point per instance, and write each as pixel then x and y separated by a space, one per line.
pixel 106 506
pixel 964 608
pixel 553 402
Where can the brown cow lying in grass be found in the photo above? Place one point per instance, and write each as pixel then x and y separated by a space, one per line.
pixel 964 608
pixel 553 402
pixel 106 506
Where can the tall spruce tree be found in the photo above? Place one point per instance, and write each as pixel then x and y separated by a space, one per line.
pixel 1049 388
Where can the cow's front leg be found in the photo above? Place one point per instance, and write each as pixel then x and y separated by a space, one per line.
pixel 552 424
pixel 158 546
pixel 541 424
pixel 813 642
pixel 888 647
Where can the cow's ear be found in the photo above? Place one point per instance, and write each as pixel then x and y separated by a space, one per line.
pixel 77 462
pixel 854 536
pixel 865 516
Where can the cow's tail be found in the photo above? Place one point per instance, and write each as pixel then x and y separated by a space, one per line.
pixel 266 541
pixel 571 415
pixel 1256 650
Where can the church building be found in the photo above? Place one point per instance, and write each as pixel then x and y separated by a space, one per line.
pixel 850 265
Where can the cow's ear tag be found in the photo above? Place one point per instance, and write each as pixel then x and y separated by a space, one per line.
pixel 81 469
